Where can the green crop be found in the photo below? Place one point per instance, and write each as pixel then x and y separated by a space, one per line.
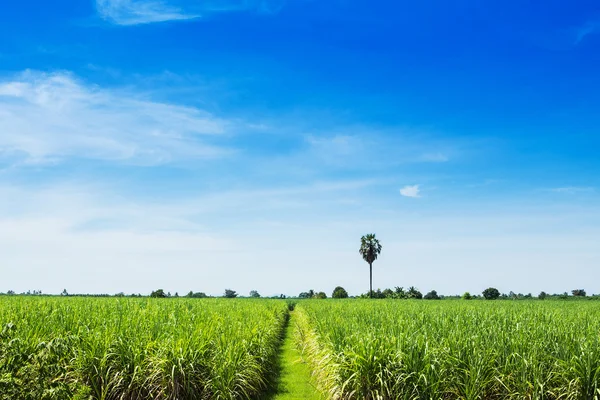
pixel 130 349
pixel 360 349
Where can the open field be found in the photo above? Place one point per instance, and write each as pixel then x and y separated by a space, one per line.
pixel 134 349
pixel 82 348
pixel 452 349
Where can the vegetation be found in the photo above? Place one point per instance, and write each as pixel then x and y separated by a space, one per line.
pixel 197 295
pixel 339 293
pixel 311 294
pixel 166 347
pixel 370 248
pixel 491 293
pixel 451 350
pixel 294 381
pixel 157 293
pixel 123 348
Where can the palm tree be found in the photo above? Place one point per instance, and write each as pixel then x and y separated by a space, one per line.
pixel 369 250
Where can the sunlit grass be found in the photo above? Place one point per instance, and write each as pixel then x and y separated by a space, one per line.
pixel 362 349
pixel 63 348
pixel 295 381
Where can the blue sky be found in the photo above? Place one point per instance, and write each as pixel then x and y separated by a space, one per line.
pixel 204 145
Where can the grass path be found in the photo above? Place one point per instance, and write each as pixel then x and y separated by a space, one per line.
pixel 294 381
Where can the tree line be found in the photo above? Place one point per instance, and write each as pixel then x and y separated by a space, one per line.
pixel 339 292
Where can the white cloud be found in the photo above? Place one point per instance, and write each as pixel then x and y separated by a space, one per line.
pixel 130 12
pixel 49 117
pixel 133 12
pixel 410 191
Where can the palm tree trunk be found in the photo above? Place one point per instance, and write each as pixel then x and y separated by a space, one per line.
pixel 371 280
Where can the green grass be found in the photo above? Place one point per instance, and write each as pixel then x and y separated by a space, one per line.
pixel 180 349
pixel 136 349
pixel 294 382
pixel 361 349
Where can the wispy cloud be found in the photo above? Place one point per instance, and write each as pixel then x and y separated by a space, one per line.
pixel 572 189
pixel 411 191
pixel 372 148
pixel 583 31
pixel 133 12
pixel 435 157
pixel 50 117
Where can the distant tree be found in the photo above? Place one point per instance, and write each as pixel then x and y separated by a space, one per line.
pixel 64 292
pixel 542 295
pixel 10 292
pixel 467 296
pixel 158 294
pixel 339 293
pixel 578 292
pixel 176 294
pixel 304 295
pixel 413 293
pixel 120 294
pixel 320 295
pixel 230 294
pixel 399 293
pixel 196 295
pixel 388 294
pixel 375 294
pixel 370 248
pixel 254 293
pixel 432 296
pixel 491 293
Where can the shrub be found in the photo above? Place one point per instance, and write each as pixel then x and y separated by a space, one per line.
pixel 158 293
pixel 339 293
pixel 432 296
pixel 491 293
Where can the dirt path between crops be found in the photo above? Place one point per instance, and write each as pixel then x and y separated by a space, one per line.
pixel 294 381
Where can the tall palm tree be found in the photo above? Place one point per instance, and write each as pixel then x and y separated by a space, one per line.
pixel 369 250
